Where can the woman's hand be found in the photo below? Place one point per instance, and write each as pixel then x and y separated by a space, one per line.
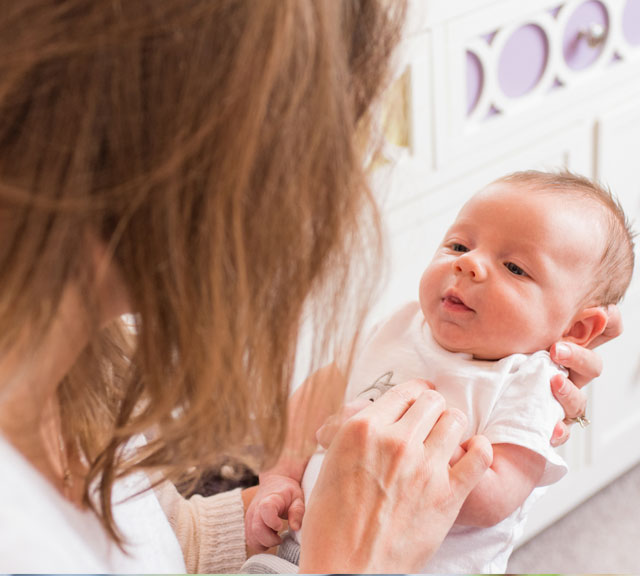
pixel 584 365
pixel 386 496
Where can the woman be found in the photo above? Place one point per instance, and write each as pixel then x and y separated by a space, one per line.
pixel 194 163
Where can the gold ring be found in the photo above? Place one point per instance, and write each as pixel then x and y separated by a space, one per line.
pixel 582 420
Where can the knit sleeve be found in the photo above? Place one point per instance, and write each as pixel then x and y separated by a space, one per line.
pixel 210 529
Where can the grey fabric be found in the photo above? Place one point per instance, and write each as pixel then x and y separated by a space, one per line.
pixel 268 564
pixel 289 550
pixel 285 562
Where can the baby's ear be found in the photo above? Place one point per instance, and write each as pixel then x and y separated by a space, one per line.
pixel 586 325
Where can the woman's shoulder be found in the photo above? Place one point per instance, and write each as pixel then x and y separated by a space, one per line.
pixel 41 531
pixel 46 533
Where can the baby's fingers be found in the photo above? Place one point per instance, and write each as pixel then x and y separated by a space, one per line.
pixel 259 536
pixel 270 510
pixel 265 537
pixel 296 512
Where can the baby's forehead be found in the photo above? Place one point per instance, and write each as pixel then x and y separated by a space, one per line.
pixel 549 201
pixel 564 221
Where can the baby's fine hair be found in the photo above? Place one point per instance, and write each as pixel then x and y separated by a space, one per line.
pixel 617 259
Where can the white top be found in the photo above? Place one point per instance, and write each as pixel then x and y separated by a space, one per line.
pixel 508 401
pixel 41 532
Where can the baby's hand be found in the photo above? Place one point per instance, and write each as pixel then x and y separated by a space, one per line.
pixel 278 497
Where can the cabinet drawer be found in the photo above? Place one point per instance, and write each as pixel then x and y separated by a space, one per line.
pixel 506 72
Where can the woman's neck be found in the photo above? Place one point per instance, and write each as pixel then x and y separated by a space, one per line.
pixel 29 379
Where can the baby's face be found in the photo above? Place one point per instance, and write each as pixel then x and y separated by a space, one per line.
pixel 511 272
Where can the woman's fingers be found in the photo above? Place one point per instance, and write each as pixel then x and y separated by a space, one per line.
pixel 469 469
pixel 391 410
pixel 421 416
pixel 392 405
pixel 446 435
pixel 613 328
pixel 387 473
pixel 572 399
pixel 583 364
pixel 470 464
pixel 574 403
pixel 328 430
pixel 560 434
pixel 458 453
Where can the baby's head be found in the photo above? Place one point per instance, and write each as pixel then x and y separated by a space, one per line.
pixel 531 259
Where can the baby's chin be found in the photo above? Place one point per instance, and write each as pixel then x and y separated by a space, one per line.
pixel 458 341
pixel 476 351
pixel 484 353
pixel 453 344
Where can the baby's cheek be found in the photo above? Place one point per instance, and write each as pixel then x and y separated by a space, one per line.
pixel 425 281
pixel 427 292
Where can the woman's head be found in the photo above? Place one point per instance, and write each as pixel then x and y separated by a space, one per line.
pixel 209 147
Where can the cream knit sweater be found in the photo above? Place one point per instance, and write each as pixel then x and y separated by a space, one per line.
pixel 210 530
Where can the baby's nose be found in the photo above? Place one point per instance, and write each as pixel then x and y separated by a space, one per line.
pixel 471 266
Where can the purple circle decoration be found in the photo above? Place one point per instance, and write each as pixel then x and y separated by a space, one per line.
pixel 588 16
pixel 523 60
pixel 631 22
pixel 475 81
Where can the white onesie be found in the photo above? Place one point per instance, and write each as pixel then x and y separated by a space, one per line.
pixel 508 401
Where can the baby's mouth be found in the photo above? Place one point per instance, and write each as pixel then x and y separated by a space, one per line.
pixel 455 303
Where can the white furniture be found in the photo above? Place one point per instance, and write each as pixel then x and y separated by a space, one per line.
pixel 488 87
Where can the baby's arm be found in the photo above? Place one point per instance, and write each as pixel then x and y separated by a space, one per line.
pixel 515 472
pixel 279 495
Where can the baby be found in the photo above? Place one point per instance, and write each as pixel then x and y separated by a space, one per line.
pixel 531 259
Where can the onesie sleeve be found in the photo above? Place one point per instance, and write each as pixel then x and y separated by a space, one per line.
pixel 526 413
pixel 210 529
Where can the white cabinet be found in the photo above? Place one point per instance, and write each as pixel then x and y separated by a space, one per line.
pixel 497 86
pixel 617 402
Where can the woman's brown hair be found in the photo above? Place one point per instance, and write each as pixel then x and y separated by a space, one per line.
pixel 210 146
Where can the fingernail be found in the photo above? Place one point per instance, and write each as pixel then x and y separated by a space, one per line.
pixel 564 387
pixel 562 351
pixel 558 439
pixel 560 384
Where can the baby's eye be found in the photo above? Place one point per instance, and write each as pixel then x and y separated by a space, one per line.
pixel 456 247
pixel 515 269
